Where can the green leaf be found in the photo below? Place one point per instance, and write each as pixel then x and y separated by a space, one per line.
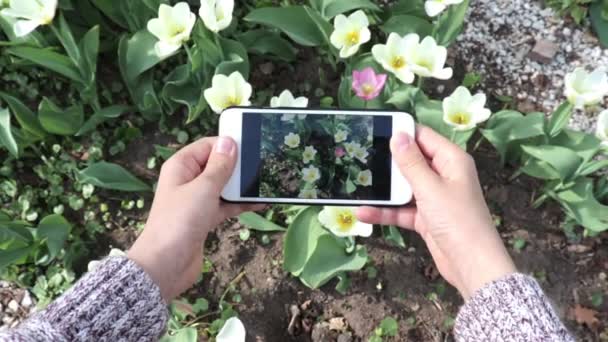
pixel 559 119
pixel 343 283
pixel 594 167
pixel 139 55
pixel 294 21
pixel 102 116
pixel 55 229
pixel 182 88
pixel 334 7
pixel 403 98
pixel 64 34
pixel 393 235
pixel 14 256
pixel 301 240
pixel 111 176
pixel 405 24
pixel 26 118
pixel 182 335
pixel 48 59
pixel 329 259
pixel 264 42
pixel 60 121
pixel 164 152
pixel 14 235
pixel 450 23
pixel 580 203
pixel 257 222
pixel 89 45
pixel 236 58
pixel 564 161
pixel 389 327
pixel 598 22
pixel 6 136
pixel 409 7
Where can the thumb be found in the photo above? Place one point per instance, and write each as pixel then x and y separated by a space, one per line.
pixel 413 164
pixel 220 165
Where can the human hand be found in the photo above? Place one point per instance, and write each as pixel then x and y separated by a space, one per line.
pixel 450 212
pixel 186 208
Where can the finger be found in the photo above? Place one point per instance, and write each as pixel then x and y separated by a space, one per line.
pixel 402 217
pixel 220 165
pixel 413 165
pixel 187 163
pixel 446 157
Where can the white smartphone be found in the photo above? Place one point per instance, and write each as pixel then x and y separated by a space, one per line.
pixel 315 157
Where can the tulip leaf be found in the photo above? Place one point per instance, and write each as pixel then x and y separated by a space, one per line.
pixel 48 59
pixel 393 235
pixel 14 256
pixel 559 119
pixel 405 24
pixel 55 229
pixel 594 167
pixel 256 222
pixel 332 8
pixel 60 121
pixel 409 7
pixel 563 161
pixel 111 176
pixel 585 145
pixel 89 45
pixel 450 23
pixel 599 22
pixel 580 203
pixel 139 55
pixel 186 334
pixel 329 259
pixel 102 116
pixel 297 22
pixel 66 38
pixel 301 240
pixel 236 58
pixel 26 118
pixel 182 88
pixel 264 42
pixel 6 136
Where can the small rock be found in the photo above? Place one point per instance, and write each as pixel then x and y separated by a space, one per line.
pixel 26 302
pixel 345 338
pixel 13 306
pixel 337 323
pixel 320 333
pixel 7 320
pixel 3 284
pixel 526 106
pixel 411 250
pixel 267 68
pixel 602 276
pixel 544 51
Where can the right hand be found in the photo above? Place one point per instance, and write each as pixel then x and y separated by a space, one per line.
pixel 450 212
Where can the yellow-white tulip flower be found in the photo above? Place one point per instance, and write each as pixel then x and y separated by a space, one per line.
pixel 463 111
pixel 351 147
pixel 361 154
pixel 232 331
pixel 393 55
pixel 350 33
pixel 342 222
pixel 427 59
pixel 228 91
pixel 340 136
pixel 364 178
pixel 113 252
pixel 287 100
pixel 602 127
pixel 586 89
pixel 308 194
pixel 309 154
pixel 172 28
pixel 434 7
pixel 311 174
pixel 29 14
pixel 292 140
pixel 216 14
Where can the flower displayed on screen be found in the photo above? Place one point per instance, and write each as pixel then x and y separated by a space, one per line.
pixel 351 147
pixel 342 222
pixel 292 140
pixel 309 154
pixel 339 152
pixel 361 154
pixel 463 111
pixel 340 136
pixel 350 33
pixel 364 178
pixel 311 174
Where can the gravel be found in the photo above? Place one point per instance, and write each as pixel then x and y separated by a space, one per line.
pixel 497 42
pixel 15 305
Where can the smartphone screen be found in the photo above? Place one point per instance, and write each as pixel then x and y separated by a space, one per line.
pixel 316 156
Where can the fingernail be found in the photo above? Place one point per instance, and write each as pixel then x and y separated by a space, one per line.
pixel 402 141
pixel 224 145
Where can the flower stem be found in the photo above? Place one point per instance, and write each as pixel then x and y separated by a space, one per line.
pixel 420 83
pixel 453 136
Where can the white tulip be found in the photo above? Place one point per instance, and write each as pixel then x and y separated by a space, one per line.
pixel 342 222
pixel 308 194
pixel 287 100
pixel 350 33
pixel 602 127
pixel 351 147
pixel 309 154
pixel 30 14
pixel 361 154
pixel 393 56
pixel 172 28
pixel 311 174
pixel 364 178
pixel 114 252
pixel 292 140
pixel 427 59
pixel 340 136
pixel 586 89
pixel 463 111
pixel 434 7
pixel 232 331
pixel 228 91
pixel 216 14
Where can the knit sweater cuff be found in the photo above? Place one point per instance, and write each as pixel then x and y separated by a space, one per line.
pixel 513 308
pixel 117 301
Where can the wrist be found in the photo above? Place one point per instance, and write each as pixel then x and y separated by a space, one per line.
pixel 484 268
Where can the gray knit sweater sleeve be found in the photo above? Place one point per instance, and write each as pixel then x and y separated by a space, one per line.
pixel 116 302
pixel 510 309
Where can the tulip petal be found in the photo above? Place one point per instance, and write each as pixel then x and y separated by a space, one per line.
pixel 433 8
pixel 23 8
pixel 363 229
pixel 602 126
pixel 359 18
pixel 24 27
pixel 165 49
pixel 232 331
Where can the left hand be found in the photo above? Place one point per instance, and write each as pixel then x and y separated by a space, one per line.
pixel 186 208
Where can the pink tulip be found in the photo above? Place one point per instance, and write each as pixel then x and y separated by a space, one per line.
pixel 367 84
pixel 340 152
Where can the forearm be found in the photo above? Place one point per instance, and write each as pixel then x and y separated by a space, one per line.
pixel 117 301
pixel 513 308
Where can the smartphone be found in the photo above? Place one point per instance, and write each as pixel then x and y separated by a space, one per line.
pixel 315 157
